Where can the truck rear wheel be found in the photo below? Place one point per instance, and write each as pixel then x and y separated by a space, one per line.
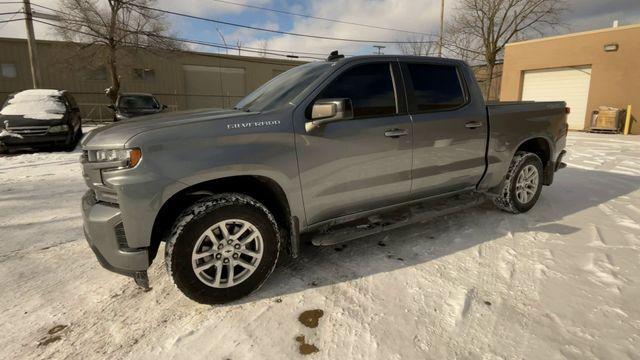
pixel 522 185
pixel 222 248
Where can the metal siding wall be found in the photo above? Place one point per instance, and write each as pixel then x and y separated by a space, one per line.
pixel 60 70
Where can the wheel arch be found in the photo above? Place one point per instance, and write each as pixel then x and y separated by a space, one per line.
pixel 543 149
pixel 264 189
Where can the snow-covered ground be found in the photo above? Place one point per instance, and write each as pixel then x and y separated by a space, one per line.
pixel 562 281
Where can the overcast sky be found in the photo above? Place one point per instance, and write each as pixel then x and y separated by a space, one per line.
pixel 413 15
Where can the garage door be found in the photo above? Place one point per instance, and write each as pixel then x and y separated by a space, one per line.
pixel 569 84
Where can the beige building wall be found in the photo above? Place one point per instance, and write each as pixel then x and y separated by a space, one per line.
pixel 615 76
pixel 63 67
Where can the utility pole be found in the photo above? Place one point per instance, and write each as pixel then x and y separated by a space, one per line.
pixel 441 28
pixel 31 41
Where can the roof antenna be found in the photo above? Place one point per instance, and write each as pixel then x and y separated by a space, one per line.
pixel 334 56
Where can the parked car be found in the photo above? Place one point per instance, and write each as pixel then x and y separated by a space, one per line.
pixel 130 105
pixel 335 149
pixel 40 118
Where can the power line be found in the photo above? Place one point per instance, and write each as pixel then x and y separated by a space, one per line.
pixel 285 53
pixel 319 17
pixel 10 20
pixel 12 13
pixel 182 40
pixel 170 12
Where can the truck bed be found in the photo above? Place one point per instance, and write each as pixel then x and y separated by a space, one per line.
pixel 511 123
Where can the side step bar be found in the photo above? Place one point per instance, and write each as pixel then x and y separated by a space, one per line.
pixel 383 222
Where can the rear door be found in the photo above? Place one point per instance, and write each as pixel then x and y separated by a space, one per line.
pixel 355 165
pixel 449 127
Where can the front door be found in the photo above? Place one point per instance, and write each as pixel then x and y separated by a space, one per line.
pixel 358 164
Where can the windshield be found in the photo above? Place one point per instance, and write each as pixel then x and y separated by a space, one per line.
pixel 137 102
pixel 36 104
pixel 282 89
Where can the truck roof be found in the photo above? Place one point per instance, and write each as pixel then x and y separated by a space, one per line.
pixel 400 57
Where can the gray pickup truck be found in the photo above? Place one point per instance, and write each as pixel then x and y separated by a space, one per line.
pixel 336 149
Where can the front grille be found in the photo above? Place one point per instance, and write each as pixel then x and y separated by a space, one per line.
pixel 29 130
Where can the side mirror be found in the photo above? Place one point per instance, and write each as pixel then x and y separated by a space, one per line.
pixel 325 111
pixel 112 107
pixel 164 107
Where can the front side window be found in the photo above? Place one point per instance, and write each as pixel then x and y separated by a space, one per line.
pixel 370 88
pixel 435 87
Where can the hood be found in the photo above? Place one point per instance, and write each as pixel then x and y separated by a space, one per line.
pixel 116 135
pixel 19 120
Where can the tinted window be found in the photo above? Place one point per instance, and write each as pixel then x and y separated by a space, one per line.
pixel 435 87
pixel 370 88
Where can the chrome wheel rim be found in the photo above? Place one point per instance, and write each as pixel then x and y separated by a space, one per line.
pixel 527 184
pixel 227 253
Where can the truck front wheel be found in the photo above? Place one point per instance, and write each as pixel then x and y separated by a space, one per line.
pixel 522 185
pixel 222 248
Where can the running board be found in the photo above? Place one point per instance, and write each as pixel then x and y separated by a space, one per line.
pixel 395 219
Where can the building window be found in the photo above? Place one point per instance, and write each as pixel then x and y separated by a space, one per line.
pixel 9 70
pixel 99 73
pixel 144 74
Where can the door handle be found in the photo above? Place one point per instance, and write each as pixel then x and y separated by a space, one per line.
pixel 473 124
pixel 395 133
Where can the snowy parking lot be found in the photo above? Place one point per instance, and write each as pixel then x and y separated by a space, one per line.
pixel 562 281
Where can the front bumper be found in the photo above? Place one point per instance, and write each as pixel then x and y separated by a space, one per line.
pixel 104 232
pixel 34 141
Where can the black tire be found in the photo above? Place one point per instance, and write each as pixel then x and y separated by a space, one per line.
pixel 507 199
pixel 200 217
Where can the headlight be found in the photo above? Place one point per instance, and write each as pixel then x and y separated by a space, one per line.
pixel 122 158
pixel 58 129
pixel 121 117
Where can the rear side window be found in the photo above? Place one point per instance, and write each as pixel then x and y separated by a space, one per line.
pixel 435 87
pixel 370 88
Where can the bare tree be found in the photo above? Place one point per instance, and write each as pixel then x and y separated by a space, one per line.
pixel 462 46
pixel 419 46
pixel 490 24
pixel 104 30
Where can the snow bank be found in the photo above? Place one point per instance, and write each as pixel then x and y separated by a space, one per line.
pixel 40 104
pixel 559 282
